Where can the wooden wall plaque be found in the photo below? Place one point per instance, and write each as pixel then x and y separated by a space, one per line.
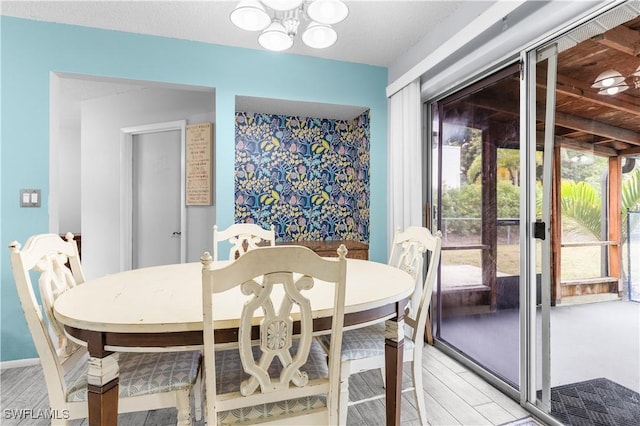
pixel 199 162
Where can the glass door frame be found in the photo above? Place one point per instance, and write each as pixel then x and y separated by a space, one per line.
pixel 536 229
pixel 529 346
pixel 434 215
pixel 542 49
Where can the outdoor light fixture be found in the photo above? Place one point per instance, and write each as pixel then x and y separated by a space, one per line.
pixel 278 21
pixel 612 82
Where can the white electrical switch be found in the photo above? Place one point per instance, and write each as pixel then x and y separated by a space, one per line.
pixel 29 198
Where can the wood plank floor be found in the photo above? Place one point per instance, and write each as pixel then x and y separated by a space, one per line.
pixel 454 396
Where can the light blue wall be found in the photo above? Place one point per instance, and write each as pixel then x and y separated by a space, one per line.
pixel 30 50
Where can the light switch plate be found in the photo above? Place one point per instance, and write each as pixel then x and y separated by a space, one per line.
pixel 29 198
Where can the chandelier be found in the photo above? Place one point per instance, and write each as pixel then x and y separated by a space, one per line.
pixel 612 82
pixel 278 21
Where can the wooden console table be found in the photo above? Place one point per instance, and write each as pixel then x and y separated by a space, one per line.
pixel 357 250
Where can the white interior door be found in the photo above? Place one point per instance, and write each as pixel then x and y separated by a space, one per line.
pixel 156 199
pixel 153 216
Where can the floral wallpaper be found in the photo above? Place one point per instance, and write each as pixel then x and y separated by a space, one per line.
pixel 309 177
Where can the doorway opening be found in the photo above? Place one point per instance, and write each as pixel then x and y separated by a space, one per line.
pixel 154 219
pixel 86 192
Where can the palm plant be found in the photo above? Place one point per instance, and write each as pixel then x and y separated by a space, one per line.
pixel 582 205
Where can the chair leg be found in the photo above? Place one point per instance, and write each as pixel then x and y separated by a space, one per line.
pixel 197 396
pixel 418 388
pixel 184 407
pixel 343 406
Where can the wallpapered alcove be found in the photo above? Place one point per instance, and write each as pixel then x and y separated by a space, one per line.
pixel 309 177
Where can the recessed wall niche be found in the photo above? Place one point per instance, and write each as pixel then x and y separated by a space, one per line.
pixel 307 176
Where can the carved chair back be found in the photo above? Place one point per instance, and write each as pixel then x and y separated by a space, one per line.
pixel 411 250
pixel 242 237
pixel 275 280
pixel 48 255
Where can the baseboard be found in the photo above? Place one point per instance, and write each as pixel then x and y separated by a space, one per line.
pixel 19 363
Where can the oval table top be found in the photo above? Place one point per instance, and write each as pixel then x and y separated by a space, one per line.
pixel 164 299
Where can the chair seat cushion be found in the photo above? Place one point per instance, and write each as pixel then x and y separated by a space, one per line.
pixel 364 342
pixel 229 376
pixel 145 373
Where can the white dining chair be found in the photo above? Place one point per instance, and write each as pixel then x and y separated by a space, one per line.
pixel 242 237
pixel 281 378
pixel 146 380
pixel 363 348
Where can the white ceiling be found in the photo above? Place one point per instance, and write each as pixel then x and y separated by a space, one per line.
pixel 375 32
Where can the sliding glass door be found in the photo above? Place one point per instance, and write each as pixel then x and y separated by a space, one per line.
pixel 535 172
pixel 477 181
pixel 582 119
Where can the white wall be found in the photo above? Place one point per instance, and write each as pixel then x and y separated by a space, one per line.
pixel 69 174
pixel 102 120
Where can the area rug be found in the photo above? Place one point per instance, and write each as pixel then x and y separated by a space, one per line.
pixel 595 402
pixel 527 421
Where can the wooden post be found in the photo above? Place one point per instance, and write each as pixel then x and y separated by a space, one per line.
pixel 615 220
pixel 490 215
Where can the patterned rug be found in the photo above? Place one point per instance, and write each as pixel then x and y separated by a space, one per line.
pixel 595 402
pixel 527 421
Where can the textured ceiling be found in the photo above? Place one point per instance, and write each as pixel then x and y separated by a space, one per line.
pixel 375 32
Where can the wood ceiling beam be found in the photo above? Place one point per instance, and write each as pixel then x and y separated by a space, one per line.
pixel 577 145
pixel 631 151
pixel 596 128
pixel 622 39
pixel 585 147
pixel 563 119
pixel 578 89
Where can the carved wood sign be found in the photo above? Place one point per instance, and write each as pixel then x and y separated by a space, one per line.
pixel 199 161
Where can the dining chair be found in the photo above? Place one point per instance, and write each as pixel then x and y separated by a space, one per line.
pixel 243 237
pixel 146 380
pixel 282 377
pixel 363 348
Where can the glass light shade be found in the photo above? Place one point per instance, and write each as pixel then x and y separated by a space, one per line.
pixel 275 38
pixel 250 15
pixel 282 5
pixel 327 11
pixel 636 73
pixel 319 36
pixel 608 78
pixel 613 89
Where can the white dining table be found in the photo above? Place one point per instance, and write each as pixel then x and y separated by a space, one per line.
pixel 161 307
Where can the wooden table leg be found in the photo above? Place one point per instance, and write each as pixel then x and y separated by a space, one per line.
pixel 393 352
pixel 102 390
pixel 428 334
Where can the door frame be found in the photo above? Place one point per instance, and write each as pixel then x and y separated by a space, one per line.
pixel 530 347
pixel 126 187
